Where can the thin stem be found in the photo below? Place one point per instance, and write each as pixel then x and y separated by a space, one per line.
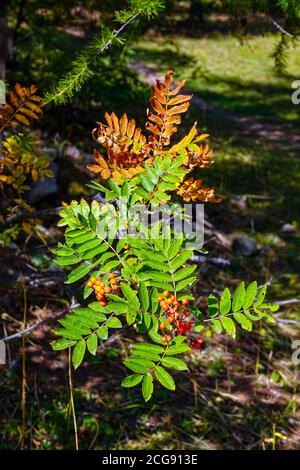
pixel 72 400
pixel 23 399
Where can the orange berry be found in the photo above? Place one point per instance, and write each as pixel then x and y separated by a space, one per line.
pixel 162 326
pixel 169 338
pixel 166 293
pixel 111 276
pixel 107 290
pixel 164 339
pixel 90 284
pixel 176 303
pixel 185 302
pixel 115 287
pixel 166 308
pixel 171 319
pixel 103 303
pixel 160 298
pixel 162 303
pixel 113 281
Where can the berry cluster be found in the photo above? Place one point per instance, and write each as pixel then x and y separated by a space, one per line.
pixel 103 286
pixel 196 344
pixel 176 313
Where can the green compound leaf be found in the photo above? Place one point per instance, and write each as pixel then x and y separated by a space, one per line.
pixel 132 380
pixel 238 297
pixel 213 307
pixel 164 378
pixel 78 353
pixel 139 365
pixel 114 322
pixel 144 296
pixel 62 343
pixel 228 326
pixel 78 273
pixel 92 344
pixel 225 302
pixel 250 294
pixel 216 326
pixel 177 349
pixel 130 294
pixel 147 386
pixel 102 332
pixel 245 323
pixel 175 363
pixel 149 347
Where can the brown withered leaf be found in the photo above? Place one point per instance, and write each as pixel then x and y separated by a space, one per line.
pixel 121 164
pixel 128 149
pixel 22 104
pixel 192 190
pixel 167 108
pixel 101 166
pixel 200 157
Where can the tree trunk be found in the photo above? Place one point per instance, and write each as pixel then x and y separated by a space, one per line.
pixel 196 13
pixel 4 38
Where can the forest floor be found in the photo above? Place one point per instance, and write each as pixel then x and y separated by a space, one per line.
pixel 238 394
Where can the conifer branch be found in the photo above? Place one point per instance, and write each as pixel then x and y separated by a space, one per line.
pixel 80 71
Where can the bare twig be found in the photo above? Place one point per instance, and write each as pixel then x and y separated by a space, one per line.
pixel 37 324
pixel 287 321
pixel 287 302
pixel 41 214
pixel 213 260
pixel 280 28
